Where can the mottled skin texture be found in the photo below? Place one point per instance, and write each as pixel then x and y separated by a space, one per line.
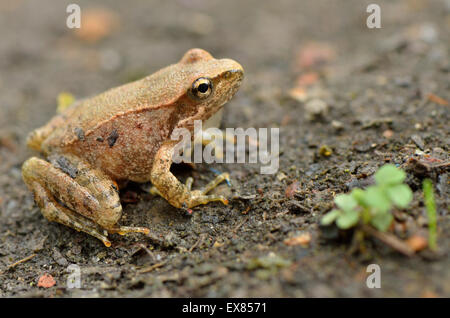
pixel 124 134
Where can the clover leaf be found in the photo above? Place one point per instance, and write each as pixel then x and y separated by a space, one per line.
pixel 358 195
pixel 347 219
pixel 373 204
pixel 330 217
pixel 389 174
pixel 382 221
pixel 346 202
pixel 401 195
pixel 377 199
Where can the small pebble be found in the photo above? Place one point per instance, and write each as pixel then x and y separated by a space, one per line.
pixel 316 109
pixel 388 133
pixel 281 176
pixel 337 125
pixel 418 141
pixel 325 151
pixel 403 81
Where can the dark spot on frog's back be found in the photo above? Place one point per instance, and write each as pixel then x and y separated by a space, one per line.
pixel 112 138
pixel 80 133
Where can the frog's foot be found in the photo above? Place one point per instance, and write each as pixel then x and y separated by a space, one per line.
pixel 189 181
pixel 55 212
pixel 198 197
pixel 70 192
pixel 176 193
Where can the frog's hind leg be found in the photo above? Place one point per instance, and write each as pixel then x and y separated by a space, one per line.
pixel 55 212
pixel 70 192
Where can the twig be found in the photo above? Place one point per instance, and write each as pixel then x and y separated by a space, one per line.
pixel 23 260
pixel 390 240
pixel 240 224
pixel 199 241
pixel 152 267
pixel 145 248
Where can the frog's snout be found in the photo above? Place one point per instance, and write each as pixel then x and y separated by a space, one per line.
pixel 234 72
pixel 234 69
pixel 234 75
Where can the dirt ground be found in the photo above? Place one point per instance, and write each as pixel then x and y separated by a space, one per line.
pixel 383 97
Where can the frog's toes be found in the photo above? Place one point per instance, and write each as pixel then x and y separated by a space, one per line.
pixel 198 198
pixel 201 196
pixel 217 180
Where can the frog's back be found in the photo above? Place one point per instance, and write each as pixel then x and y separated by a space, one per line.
pixel 119 130
pixel 87 116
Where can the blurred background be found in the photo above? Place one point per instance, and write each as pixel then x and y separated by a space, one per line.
pixel 121 41
pixel 312 68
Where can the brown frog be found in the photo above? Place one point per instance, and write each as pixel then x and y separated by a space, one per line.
pixel 124 134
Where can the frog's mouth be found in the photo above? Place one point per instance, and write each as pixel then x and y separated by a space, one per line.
pixel 229 83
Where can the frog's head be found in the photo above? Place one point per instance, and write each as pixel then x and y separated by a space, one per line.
pixel 209 84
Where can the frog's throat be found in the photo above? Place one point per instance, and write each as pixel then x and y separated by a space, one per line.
pixel 188 123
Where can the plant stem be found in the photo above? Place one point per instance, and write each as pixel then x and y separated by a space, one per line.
pixel 390 240
pixel 366 216
pixel 431 212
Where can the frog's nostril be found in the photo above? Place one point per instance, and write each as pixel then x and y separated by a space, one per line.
pixel 236 73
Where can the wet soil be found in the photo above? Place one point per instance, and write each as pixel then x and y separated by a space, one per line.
pixel 379 96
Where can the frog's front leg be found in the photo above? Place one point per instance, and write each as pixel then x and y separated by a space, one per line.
pixel 70 192
pixel 176 193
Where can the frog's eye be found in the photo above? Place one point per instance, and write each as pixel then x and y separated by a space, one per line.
pixel 201 88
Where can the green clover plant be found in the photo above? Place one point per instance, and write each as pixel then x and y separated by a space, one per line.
pixel 372 205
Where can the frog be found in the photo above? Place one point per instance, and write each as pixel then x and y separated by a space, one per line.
pixel 95 145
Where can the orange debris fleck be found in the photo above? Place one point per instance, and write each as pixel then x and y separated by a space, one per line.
pixel 438 100
pixel 388 133
pixel 46 281
pixel 303 240
pixel 417 242
pixel 96 24
pixel 314 54
pixel 291 189
pixel 307 79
